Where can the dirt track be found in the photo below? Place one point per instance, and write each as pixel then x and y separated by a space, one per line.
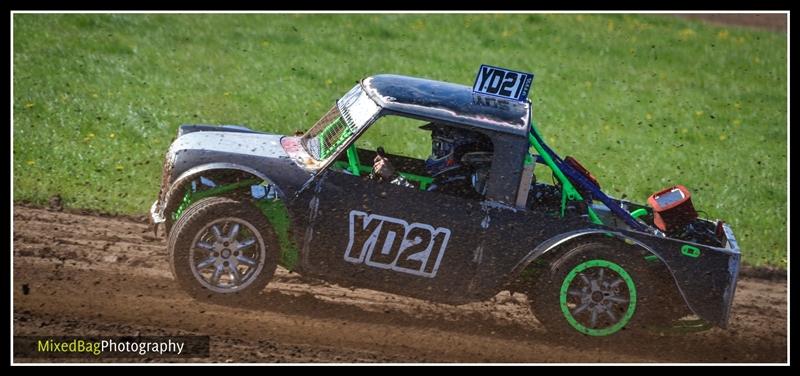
pixel 90 275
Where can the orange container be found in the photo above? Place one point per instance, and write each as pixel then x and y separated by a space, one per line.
pixel 672 208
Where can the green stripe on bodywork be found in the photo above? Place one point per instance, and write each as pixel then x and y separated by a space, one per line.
pixel 274 210
pixel 278 217
pixel 631 302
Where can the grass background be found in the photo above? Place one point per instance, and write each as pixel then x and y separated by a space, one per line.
pixel 644 101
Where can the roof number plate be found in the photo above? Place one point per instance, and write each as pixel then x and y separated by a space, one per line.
pixel 502 82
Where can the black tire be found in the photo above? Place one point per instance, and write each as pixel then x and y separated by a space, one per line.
pixel 215 260
pixel 608 290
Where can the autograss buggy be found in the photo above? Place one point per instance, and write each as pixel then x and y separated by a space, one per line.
pixel 235 203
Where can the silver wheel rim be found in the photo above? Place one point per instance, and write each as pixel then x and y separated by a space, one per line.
pixel 227 255
pixel 598 299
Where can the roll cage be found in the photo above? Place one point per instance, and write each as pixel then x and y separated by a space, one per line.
pixel 509 124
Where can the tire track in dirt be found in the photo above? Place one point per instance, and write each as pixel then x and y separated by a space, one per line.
pixel 88 274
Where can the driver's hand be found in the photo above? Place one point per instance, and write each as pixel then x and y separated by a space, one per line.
pixel 382 167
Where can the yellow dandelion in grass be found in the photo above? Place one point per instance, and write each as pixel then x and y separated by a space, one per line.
pixel 112 135
pixel 686 33
pixel 94 95
pixel 606 127
pixel 723 137
pixel 723 34
pixel 698 113
pixel 31 163
pixel 227 94
pixel 88 137
pixel 119 167
pixel 29 105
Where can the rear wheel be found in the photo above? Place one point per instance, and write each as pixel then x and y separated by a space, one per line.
pixel 597 297
pixel 596 288
pixel 223 250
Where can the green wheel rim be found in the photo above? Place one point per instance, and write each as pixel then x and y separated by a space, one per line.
pixel 626 278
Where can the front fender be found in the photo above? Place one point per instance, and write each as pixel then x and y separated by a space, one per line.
pixel 261 154
pixel 199 151
pixel 176 190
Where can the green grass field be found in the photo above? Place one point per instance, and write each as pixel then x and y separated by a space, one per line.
pixel 643 101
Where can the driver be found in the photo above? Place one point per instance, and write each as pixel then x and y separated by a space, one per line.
pixel 459 162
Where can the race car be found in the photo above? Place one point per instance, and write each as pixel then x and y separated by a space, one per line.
pixel 235 203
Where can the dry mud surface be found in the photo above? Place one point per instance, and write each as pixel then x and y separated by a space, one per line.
pixel 81 274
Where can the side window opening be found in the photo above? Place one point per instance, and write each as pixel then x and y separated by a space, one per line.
pixel 404 144
pixel 431 157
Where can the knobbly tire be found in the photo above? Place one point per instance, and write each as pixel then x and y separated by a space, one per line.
pixel 223 250
pixel 600 288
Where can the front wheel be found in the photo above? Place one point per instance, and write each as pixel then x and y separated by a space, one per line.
pixel 223 250
pixel 596 288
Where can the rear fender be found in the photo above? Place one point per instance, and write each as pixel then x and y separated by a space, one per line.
pixel 706 280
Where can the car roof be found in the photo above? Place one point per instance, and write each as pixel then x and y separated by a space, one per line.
pixel 447 102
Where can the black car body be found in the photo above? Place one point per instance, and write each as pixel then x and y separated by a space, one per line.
pixel 334 223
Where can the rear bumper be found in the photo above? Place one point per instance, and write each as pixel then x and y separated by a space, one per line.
pixel 734 263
